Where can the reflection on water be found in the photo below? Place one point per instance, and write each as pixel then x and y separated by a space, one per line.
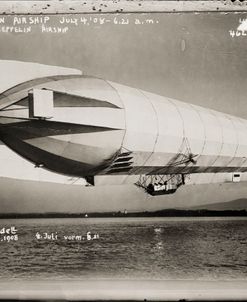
pixel 127 248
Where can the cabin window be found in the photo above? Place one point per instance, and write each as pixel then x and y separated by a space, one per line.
pixel 236 177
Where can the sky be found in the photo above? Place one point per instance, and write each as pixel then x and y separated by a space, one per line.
pixel 189 57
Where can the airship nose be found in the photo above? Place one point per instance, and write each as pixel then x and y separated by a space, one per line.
pixel 76 130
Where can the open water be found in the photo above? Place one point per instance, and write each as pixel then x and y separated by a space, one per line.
pixel 127 248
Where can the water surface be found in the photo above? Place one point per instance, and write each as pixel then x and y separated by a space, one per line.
pixel 127 248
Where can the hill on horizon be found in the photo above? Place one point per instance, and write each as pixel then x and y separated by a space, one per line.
pixel 238 204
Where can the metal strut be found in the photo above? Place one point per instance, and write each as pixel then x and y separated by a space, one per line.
pixel 159 184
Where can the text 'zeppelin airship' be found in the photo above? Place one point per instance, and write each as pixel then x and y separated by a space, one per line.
pixel 92 128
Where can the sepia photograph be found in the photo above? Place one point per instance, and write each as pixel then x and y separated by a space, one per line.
pixel 123 150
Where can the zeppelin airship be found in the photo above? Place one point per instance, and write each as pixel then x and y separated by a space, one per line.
pixel 107 133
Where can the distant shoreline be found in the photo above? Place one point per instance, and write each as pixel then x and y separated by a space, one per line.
pixel 161 213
